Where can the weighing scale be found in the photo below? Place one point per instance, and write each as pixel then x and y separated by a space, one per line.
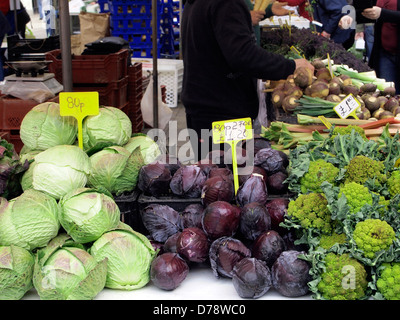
pixel 33 74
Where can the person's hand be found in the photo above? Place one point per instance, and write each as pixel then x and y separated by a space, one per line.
pixel 304 63
pixel 345 22
pixel 372 13
pixel 256 17
pixel 326 34
pixel 279 10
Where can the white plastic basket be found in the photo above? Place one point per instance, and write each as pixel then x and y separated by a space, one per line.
pixel 170 74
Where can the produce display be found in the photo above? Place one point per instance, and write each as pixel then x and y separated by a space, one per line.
pixel 317 215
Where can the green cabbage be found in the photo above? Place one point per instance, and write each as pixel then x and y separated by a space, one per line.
pixel 16 271
pixel 108 128
pixel 58 170
pixel 129 255
pixel 115 169
pixel 65 271
pixel 148 147
pixel 86 214
pixel 43 127
pixel 30 221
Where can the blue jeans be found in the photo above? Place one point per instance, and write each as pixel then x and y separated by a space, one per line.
pixel 388 69
pixel 369 39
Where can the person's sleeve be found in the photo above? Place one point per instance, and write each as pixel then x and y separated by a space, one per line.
pixel 334 10
pixel 293 3
pixel 389 16
pixel 268 11
pixel 233 32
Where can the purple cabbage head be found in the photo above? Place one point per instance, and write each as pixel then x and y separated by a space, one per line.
pixel 193 245
pixel 188 181
pixel 154 179
pixel 192 216
pixel 220 218
pixel 254 189
pixel 251 278
pixel 168 270
pixel 161 221
pixel 225 252
pixel 254 220
pixel 217 188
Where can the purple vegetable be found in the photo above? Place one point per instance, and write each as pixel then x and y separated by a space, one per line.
pixel 254 189
pixel 251 278
pixel 254 220
pixel 256 169
pixel 276 183
pixel 171 162
pixel 225 252
pixel 220 172
pixel 220 218
pixel 290 274
pixel 170 243
pixel 269 159
pixel 218 188
pixel 192 244
pixel 188 181
pixel 277 209
pixel 268 247
pixel 192 216
pixel 161 221
pixel 154 179
pixel 168 270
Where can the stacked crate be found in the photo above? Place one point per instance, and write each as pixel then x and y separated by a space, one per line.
pixel 169 22
pixel 105 74
pixel 135 96
pixel 132 21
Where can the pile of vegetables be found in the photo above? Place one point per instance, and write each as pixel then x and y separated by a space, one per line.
pixel 310 45
pixel 317 94
pixel 346 212
pixel 60 226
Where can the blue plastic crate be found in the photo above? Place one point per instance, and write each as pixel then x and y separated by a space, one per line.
pixel 127 25
pixel 104 5
pixel 139 37
pixel 122 8
pixel 143 52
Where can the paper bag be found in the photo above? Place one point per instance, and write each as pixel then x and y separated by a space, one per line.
pixel 146 105
pixel 93 26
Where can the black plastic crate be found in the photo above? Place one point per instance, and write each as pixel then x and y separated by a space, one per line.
pixel 177 203
pixel 128 206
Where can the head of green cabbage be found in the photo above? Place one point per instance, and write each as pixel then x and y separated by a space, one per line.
pixel 29 221
pixel 147 146
pixel 64 270
pixel 111 126
pixel 16 272
pixel 57 171
pixel 85 214
pixel 129 255
pixel 115 169
pixel 43 127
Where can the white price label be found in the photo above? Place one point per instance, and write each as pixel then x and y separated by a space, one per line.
pixel 347 106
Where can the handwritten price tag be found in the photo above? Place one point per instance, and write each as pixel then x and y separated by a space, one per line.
pixel 79 105
pixel 232 131
pixel 348 106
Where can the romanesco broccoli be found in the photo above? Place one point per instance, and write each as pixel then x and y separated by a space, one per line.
pixel 311 211
pixel 347 130
pixel 357 196
pixel 318 172
pixel 388 283
pixel 344 278
pixel 362 168
pixel 393 183
pixel 328 240
pixel 372 236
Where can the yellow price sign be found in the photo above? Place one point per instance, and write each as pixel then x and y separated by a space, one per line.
pixel 79 105
pixel 232 131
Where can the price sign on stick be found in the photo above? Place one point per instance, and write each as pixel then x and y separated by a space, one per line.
pixel 232 131
pixel 79 105
pixel 347 107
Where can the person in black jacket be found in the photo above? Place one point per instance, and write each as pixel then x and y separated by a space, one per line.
pixel 222 63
